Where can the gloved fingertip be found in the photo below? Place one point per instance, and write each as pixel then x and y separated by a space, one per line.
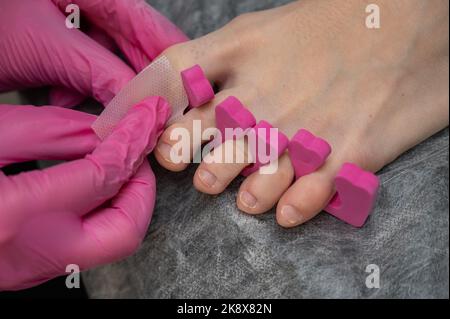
pixel 143 124
pixel 124 150
pixel 162 108
pixel 155 112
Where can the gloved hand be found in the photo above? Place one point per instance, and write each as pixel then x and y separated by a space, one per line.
pixel 89 211
pixel 38 49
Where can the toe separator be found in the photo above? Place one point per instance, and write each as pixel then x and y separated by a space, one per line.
pixel 307 152
pixel 356 188
pixel 266 144
pixel 356 195
pixel 231 114
pixel 197 86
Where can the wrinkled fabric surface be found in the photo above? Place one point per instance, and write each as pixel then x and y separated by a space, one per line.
pixel 202 247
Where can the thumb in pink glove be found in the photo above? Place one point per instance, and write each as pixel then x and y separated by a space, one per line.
pixel 89 211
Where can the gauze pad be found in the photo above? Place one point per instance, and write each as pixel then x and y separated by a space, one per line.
pixel 158 79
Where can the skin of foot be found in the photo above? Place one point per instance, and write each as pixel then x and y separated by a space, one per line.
pixel 371 93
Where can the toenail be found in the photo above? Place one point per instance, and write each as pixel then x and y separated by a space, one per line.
pixel 207 178
pixel 291 215
pixel 248 199
pixel 164 149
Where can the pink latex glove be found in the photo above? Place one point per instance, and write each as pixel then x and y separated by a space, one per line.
pixel 140 31
pixel 36 47
pixel 90 211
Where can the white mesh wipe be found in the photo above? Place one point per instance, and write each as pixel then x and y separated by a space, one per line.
pixel 158 79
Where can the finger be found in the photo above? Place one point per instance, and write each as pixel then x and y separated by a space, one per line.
pixel 45 133
pixel 98 72
pixel 80 186
pixel 115 232
pixel 67 58
pixel 65 97
pixel 261 192
pixel 141 32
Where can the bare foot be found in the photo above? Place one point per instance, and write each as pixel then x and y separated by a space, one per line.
pixel 371 93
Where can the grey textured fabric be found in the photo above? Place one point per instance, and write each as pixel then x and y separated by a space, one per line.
pixel 202 247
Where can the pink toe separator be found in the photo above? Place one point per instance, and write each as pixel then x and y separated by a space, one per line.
pixel 307 152
pixel 356 195
pixel 232 114
pixel 197 86
pixel 356 188
pixel 262 132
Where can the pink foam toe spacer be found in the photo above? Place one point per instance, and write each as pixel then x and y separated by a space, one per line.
pixel 307 152
pixel 262 137
pixel 197 86
pixel 232 114
pixel 356 194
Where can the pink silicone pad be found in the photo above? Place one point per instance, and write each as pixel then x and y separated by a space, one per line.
pixel 264 128
pixel 356 194
pixel 307 152
pixel 197 86
pixel 232 114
